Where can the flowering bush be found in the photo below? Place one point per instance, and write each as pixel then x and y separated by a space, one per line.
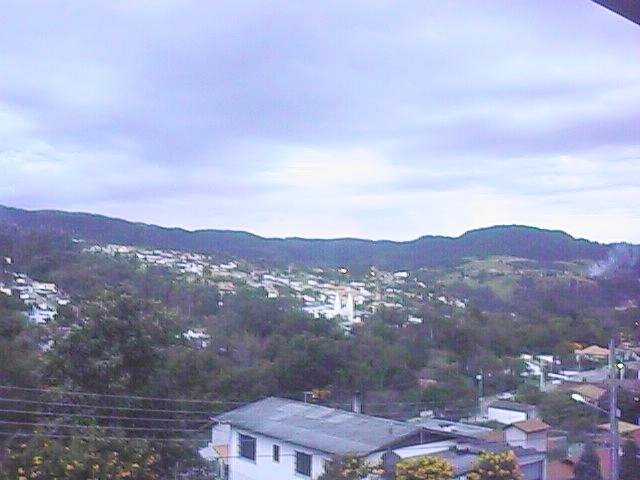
pixel 79 459
pixel 424 468
pixel 496 466
pixel 348 468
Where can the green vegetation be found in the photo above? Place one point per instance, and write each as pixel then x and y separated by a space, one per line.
pixel 496 466
pixel 86 458
pixel 124 334
pixel 424 468
pixel 348 468
pixel 588 467
pixel 516 241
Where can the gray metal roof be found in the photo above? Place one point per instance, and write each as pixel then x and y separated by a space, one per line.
pixel 454 428
pixel 317 427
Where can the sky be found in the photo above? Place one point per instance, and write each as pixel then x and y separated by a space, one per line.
pixel 374 119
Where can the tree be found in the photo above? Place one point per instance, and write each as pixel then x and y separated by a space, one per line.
pixel 560 411
pixel 118 347
pixel 347 467
pixel 630 465
pixel 424 468
pixel 81 458
pixel 496 466
pixel 588 467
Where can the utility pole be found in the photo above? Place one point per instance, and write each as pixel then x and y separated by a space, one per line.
pixel 614 438
pixel 480 378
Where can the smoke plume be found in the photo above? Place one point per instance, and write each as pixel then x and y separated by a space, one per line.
pixel 620 258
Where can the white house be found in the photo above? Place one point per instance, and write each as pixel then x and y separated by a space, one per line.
pixel 507 412
pixel 283 439
pixel 530 433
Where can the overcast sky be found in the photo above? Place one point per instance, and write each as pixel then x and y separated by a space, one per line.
pixel 377 119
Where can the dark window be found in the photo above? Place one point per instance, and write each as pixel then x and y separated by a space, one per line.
pixel 303 464
pixel 276 453
pixel 247 447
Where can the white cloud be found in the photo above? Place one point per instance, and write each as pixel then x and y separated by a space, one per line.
pixel 377 119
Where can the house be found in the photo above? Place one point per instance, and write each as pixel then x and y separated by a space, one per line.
pixel 591 393
pixel 507 412
pixel 530 433
pixel 463 456
pixel 448 427
pixel 564 469
pixel 625 428
pixel 278 438
pixel 594 353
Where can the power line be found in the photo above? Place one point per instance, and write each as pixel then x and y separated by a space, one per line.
pixel 104 407
pixel 226 402
pixel 103 417
pixel 63 425
pixel 101 437
pixel 133 397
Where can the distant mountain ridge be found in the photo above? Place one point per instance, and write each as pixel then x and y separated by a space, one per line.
pixel 515 240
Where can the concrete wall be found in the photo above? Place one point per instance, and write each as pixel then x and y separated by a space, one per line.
pixel 505 416
pixel 517 438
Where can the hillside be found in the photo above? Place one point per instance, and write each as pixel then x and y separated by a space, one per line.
pixel 513 240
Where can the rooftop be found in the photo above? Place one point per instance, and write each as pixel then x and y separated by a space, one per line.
pixel 594 350
pixel 456 428
pixel 623 427
pixel 530 426
pixel 515 406
pixel 318 427
pixel 589 391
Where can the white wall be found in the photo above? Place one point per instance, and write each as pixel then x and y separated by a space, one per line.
pixel 221 434
pixel 505 416
pixel 264 468
pixel 517 438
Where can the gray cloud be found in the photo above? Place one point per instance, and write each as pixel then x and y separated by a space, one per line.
pixel 265 115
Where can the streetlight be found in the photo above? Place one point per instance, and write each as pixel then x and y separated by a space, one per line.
pixel 580 399
pixel 480 379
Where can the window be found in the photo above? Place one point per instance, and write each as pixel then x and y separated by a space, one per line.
pixel 247 447
pixel 303 464
pixel 276 453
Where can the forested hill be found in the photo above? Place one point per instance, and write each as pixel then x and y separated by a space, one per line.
pixel 520 241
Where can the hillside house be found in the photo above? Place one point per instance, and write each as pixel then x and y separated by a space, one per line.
pixel 593 353
pixel 530 433
pixel 590 392
pixel 507 412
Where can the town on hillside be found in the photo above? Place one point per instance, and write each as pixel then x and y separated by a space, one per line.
pixel 541 410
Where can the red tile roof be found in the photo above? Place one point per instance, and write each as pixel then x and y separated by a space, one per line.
pixel 563 469
pixel 530 426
